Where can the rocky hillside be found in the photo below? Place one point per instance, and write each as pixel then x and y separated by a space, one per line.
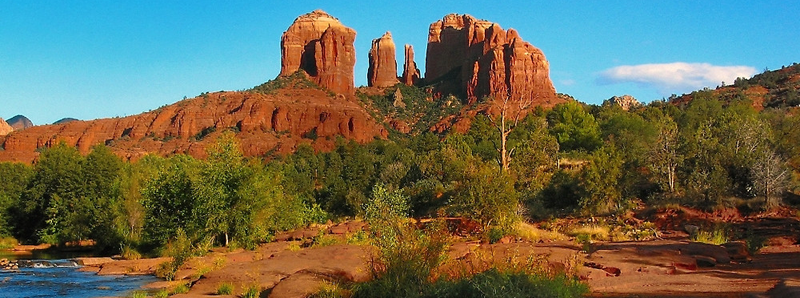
pixel 769 89
pixel 314 99
pixel 266 120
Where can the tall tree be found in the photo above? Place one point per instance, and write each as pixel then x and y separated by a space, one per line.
pixel 574 128
pixel 770 177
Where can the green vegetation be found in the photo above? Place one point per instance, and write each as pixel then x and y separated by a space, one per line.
pixel 413 105
pixel 225 289
pixel 299 79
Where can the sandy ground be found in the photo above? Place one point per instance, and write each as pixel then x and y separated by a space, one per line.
pixel 667 267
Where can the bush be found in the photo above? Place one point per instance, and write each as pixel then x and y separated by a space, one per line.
pixel 225 289
pixel 252 292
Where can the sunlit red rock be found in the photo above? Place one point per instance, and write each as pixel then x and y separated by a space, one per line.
pixel 382 71
pixel 322 46
pixel 479 59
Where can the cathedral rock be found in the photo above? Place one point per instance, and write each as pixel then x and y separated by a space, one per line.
pixel 320 45
pixel 479 59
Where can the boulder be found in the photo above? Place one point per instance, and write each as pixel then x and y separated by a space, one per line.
pixel 410 70
pixel 382 71
pixel 322 46
pixel 717 252
pixel 737 251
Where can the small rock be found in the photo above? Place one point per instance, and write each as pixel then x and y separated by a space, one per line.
pixel 612 271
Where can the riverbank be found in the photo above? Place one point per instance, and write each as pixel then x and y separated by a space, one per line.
pixel 303 261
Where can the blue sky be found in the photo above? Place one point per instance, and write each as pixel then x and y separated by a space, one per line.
pixel 97 59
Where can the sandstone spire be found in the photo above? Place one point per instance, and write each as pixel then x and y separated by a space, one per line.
pixel 320 45
pixel 410 70
pixel 382 70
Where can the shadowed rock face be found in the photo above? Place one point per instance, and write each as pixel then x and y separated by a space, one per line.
pixel 382 71
pixel 479 59
pixel 410 71
pixel 20 122
pixel 320 45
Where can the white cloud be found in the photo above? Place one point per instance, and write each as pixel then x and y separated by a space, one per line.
pixel 677 77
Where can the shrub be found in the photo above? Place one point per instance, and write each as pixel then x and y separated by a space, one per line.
pixel 252 292
pixel 225 289
pixel 181 289
pixel 8 242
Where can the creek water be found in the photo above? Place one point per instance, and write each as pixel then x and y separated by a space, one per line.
pixel 61 278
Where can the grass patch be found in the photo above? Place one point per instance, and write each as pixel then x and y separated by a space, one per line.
pixel 252 292
pixel 324 239
pixel 181 289
pixel 717 236
pixel 8 242
pixel 225 289
pixel 531 233
pixel 139 294
pixel 294 246
pixel 592 231
pixel 332 290
pixel 162 294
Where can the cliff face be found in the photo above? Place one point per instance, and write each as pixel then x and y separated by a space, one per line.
pixel 382 71
pixel 320 45
pixel 479 59
pixel 264 123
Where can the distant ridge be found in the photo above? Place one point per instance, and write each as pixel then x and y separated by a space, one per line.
pixel 19 122
pixel 65 120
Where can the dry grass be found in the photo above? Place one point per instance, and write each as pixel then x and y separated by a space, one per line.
pixel 593 231
pixel 531 233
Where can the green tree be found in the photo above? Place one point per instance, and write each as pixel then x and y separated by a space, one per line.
pixel 170 203
pixel 574 128
pixel 53 207
pixel 223 174
pixel 14 177
pixel 600 182
pixel 487 196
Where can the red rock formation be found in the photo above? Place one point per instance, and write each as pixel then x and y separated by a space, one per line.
pixel 479 59
pixel 264 123
pixel 320 45
pixel 382 71
pixel 5 128
pixel 410 70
